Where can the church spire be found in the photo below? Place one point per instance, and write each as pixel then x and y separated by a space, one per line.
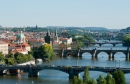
pixel 48 33
pixel 55 32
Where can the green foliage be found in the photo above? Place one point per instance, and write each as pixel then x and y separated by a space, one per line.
pixel 29 56
pixel 17 58
pixel 101 80
pixel 119 77
pixel 10 61
pixel 86 75
pixel 80 40
pixel 2 57
pixel 126 40
pixel 21 58
pixel 109 79
pixel 76 80
pixel 44 51
pixel 91 81
pixel 10 55
pixel 79 44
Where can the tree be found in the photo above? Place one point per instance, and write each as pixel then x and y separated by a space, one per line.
pixel 101 80
pixel 76 80
pixel 91 81
pixel 45 51
pixel 86 75
pixel 126 40
pixel 10 61
pixel 20 58
pixel 109 79
pixel 10 55
pixel 2 57
pixel 119 77
pixel 29 56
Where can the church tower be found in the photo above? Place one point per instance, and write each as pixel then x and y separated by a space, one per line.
pixel 55 36
pixel 48 37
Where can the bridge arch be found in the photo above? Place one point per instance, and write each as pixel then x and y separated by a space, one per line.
pixel 71 52
pixel 118 55
pixel 102 54
pixel 86 55
pixel 54 71
pixel 107 44
pixel 118 44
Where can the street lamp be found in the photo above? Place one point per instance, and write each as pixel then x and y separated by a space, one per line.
pixel 119 63
pixel 77 62
pixel 115 63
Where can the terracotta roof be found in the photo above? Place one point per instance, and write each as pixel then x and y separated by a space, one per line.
pixel 19 50
pixel 2 42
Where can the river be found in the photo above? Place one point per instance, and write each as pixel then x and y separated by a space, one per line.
pixel 58 77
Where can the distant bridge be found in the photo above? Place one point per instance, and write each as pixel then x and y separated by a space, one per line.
pixel 71 70
pixel 94 52
pixel 101 43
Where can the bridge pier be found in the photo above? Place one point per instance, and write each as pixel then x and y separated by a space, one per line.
pixel 14 72
pixel 1 72
pixel 71 76
pixel 78 54
pixel 62 53
pixel 111 56
pixel 100 44
pixel 114 44
pixel 94 53
pixel 33 73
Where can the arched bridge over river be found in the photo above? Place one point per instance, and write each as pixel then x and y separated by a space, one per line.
pixel 101 43
pixel 71 70
pixel 93 52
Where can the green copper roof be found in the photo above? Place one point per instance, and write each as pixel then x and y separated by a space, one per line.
pixel 20 35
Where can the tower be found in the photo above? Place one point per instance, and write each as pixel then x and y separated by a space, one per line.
pixel 36 27
pixel 55 36
pixel 47 37
pixel 20 37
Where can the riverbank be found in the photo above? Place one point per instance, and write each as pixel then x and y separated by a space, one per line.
pixel 28 63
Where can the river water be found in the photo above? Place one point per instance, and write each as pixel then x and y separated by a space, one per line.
pixel 58 77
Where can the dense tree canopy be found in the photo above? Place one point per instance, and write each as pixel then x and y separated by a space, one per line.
pixel 17 58
pixel 80 40
pixel 119 77
pixel 101 80
pixel 44 51
pixel 126 40
pixel 109 79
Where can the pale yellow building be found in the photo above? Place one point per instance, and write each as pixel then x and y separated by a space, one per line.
pixel 4 47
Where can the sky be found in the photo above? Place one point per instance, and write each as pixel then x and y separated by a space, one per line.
pixel 112 14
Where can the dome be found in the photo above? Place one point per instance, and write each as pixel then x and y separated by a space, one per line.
pixel 21 35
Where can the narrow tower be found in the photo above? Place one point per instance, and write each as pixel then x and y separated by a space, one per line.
pixel 47 37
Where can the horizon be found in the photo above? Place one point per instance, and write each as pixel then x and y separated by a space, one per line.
pixel 86 13
pixel 60 27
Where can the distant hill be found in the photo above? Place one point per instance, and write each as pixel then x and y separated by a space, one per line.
pixel 95 28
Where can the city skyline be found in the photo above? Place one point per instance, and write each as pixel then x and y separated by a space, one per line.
pixel 85 13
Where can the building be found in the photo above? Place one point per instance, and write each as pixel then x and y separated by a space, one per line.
pixel 62 42
pixel 19 45
pixel 4 47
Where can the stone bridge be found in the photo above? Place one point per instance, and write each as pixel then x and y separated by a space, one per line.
pixel 94 52
pixel 100 44
pixel 33 71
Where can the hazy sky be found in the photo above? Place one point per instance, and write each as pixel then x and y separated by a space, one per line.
pixel 94 13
